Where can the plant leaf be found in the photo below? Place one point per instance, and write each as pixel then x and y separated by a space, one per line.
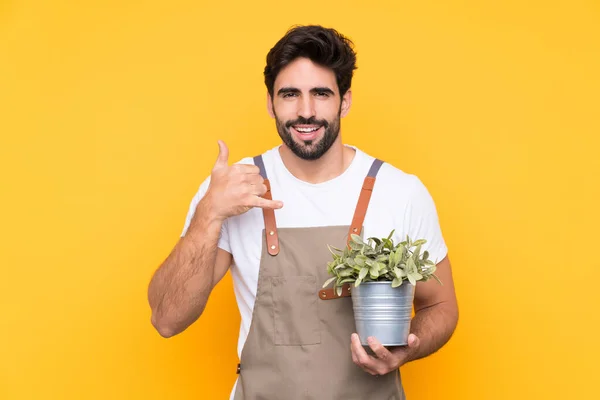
pixel 357 239
pixel 360 260
pixel 346 272
pixel 328 281
pixel 388 243
pixel 417 252
pixel 374 273
pixel 419 242
pixel 391 234
pixel 399 273
pixel 338 290
pixel 363 273
pixel 412 279
pixel 396 282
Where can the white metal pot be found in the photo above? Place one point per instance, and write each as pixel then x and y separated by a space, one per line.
pixel 383 312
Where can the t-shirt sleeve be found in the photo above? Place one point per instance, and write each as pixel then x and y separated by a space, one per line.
pixel 423 222
pixel 224 238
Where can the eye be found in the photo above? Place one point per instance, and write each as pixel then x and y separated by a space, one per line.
pixel 322 94
pixel 289 94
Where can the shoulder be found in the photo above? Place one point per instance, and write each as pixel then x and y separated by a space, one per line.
pixel 392 180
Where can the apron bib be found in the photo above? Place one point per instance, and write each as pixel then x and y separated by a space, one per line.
pixel 298 346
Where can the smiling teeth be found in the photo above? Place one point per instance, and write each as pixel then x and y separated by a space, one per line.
pixel 306 130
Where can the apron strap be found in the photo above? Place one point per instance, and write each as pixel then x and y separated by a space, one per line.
pixel 363 200
pixel 359 214
pixel 357 224
pixel 269 214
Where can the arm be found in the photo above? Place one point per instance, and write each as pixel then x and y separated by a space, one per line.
pixel 179 289
pixel 436 312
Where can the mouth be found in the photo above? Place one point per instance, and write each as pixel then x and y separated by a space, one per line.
pixel 307 132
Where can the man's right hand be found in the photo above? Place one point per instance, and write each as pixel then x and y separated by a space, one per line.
pixel 236 189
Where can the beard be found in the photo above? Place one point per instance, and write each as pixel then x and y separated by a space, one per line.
pixel 310 149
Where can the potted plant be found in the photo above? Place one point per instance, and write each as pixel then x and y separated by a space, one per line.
pixel 384 276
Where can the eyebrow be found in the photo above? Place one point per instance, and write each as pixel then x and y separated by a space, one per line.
pixel 285 90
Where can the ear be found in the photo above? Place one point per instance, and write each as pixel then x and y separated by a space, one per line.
pixel 270 105
pixel 346 103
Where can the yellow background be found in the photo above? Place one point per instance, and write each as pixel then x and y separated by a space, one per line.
pixel 109 116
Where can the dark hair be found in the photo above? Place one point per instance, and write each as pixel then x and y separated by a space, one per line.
pixel 323 46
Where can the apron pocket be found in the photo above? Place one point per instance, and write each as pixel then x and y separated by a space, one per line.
pixel 295 311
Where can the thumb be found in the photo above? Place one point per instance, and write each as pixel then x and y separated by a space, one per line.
pixel 223 158
pixel 413 341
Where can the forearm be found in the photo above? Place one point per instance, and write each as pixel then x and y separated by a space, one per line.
pixel 180 288
pixel 433 326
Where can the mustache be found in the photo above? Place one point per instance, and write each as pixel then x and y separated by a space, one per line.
pixel 307 121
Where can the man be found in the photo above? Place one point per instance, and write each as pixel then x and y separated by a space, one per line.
pixel 271 218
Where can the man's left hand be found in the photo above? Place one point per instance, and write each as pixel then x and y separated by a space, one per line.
pixel 385 360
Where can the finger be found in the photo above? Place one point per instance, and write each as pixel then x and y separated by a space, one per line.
pixel 223 158
pixel 355 360
pixel 246 169
pixel 363 360
pixel 413 341
pixel 258 190
pixel 264 203
pixel 382 353
pixel 254 179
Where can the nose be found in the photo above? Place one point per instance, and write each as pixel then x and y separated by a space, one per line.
pixel 306 107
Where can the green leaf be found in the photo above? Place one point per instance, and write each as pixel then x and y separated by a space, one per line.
pixel 388 243
pixel 396 282
pixel 412 280
pixel 339 290
pixel 399 273
pixel 358 282
pixel 417 252
pixel 329 281
pixel 347 280
pixel 360 260
pixel 419 242
pixel 410 265
pixel 357 239
pixel 374 273
pixel 347 272
pixel 399 253
pixel 391 234
pixel 356 246
pixel 363 273
pixel 333 250
pixel 425 255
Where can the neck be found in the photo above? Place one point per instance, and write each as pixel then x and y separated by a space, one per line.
pixel 332 164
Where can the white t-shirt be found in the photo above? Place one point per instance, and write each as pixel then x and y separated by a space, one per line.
pixel 399 201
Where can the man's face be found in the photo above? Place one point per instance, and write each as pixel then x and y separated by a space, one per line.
pixel 307 108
